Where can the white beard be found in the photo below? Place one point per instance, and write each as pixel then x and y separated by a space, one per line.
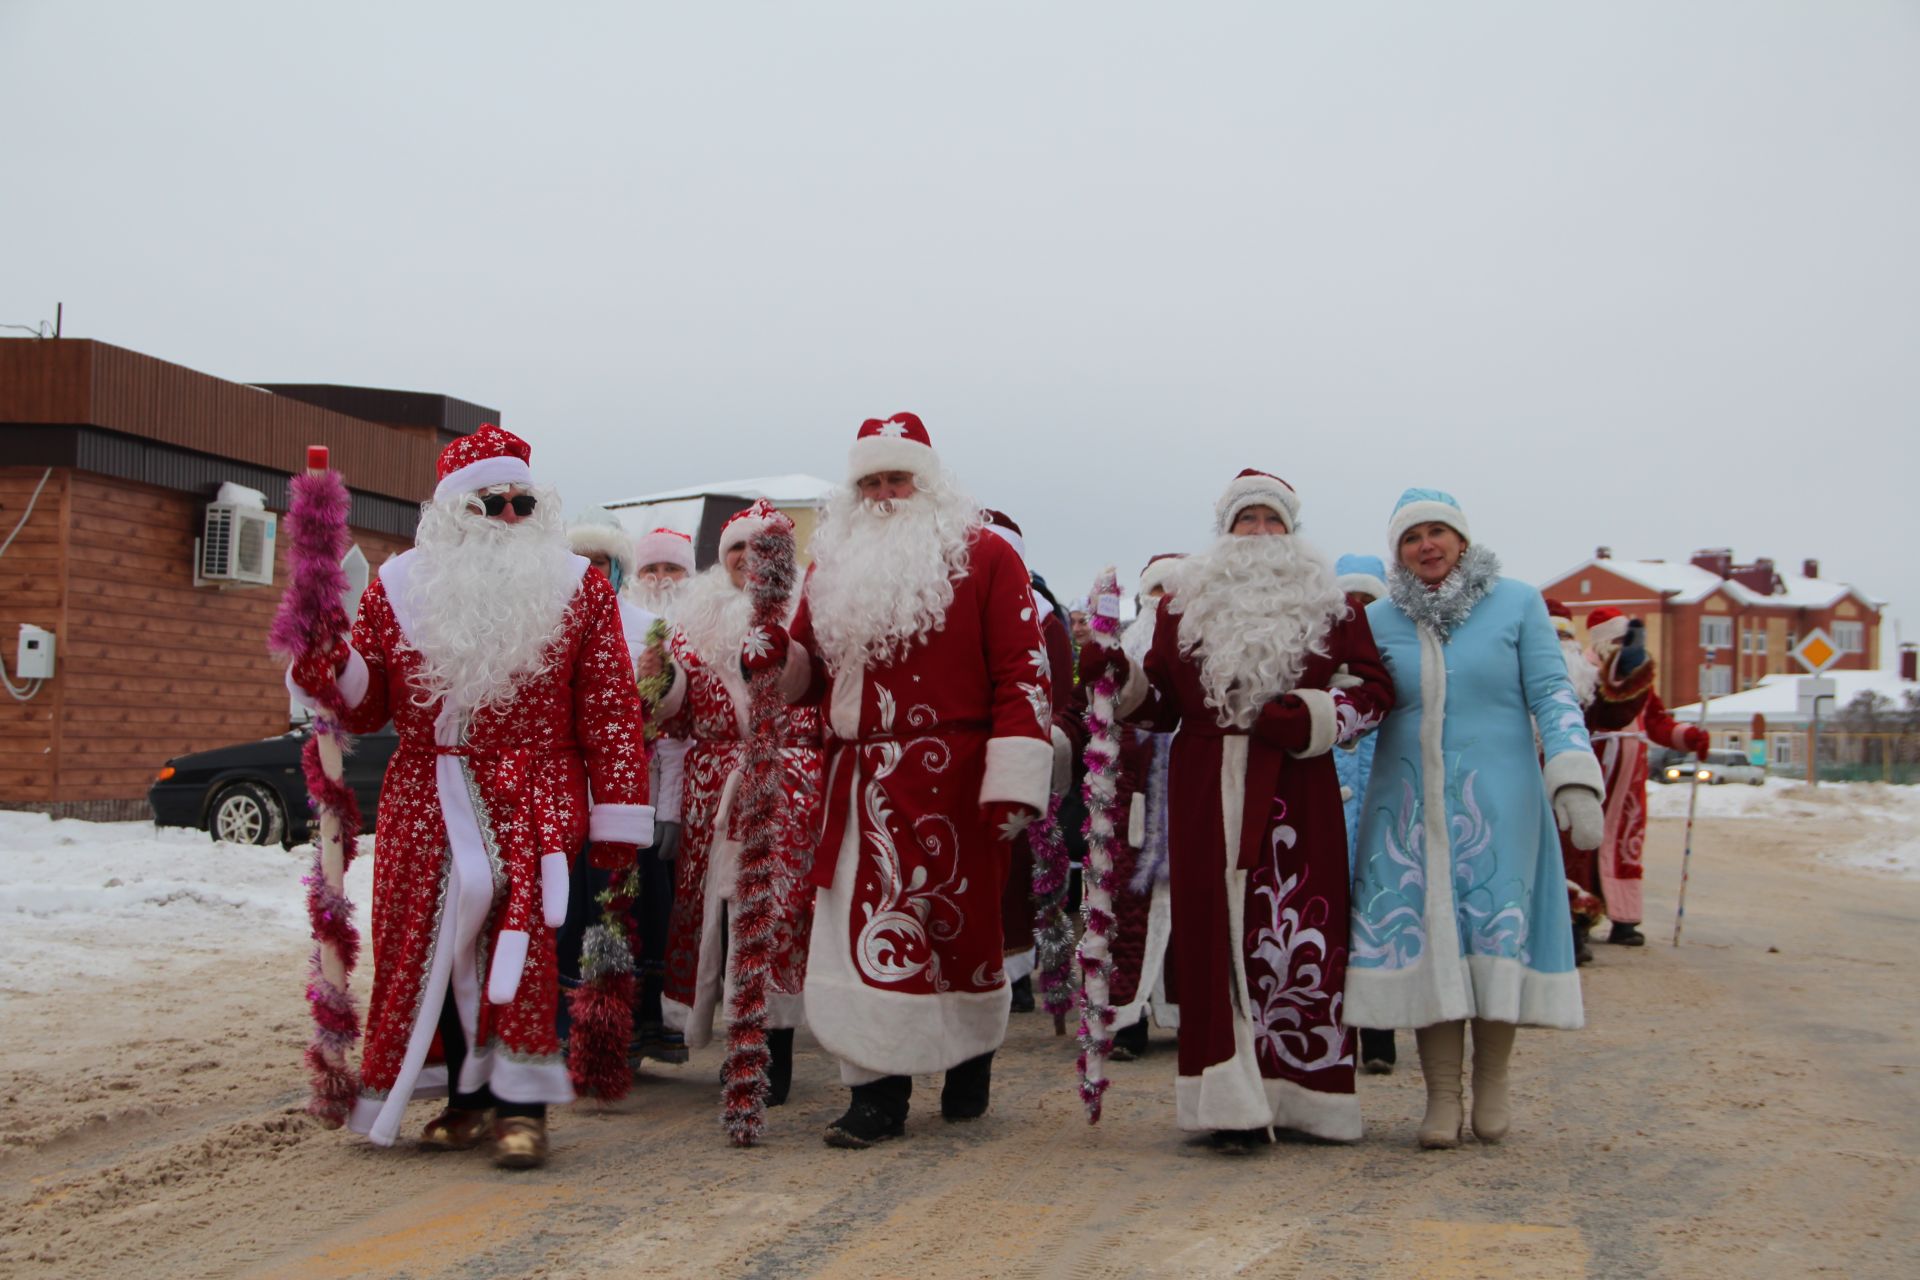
pixel 1254 609
pixel 884 572
pixel 713 615
pixel 1138 637
pixel 658 596
pixel 1584 676
pixel 485 601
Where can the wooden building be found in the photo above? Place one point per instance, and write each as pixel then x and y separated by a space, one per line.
pixel 108 460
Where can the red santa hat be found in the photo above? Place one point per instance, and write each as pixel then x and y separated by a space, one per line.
pixel 741 526
pixel 1001 525
pixel 1159 572
pixel 490 456
pixel 1256 489
pixel 1562 618
pixel 899 443
pixel 664 546
pixel 1606 625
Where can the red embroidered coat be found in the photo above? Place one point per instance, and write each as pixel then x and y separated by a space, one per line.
pixel 473 841
pixel 1258 854
pixel 904 971
pixel 1623 718
pixel 715 699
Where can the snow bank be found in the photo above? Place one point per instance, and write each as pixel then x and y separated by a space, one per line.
pixel 85 901
pixel 1887 838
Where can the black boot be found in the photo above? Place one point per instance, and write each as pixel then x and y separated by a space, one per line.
pixel 878 1112
pixel 1238 1142
pixel 964 1095
pixel 1023 995
pixel 1626 935
pixel 1130 1043
pixel 1377 1053
pixel 779 1065
pixel 1582 944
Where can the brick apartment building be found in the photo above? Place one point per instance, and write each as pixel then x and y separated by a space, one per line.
pixel 108 460
pixel 1747 616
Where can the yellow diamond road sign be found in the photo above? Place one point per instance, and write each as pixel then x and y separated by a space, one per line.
pixel 1816 651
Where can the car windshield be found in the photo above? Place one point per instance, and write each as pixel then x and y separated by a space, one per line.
pixel 1727 757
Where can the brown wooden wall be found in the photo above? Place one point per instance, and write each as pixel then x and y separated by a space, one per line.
pixel 149 666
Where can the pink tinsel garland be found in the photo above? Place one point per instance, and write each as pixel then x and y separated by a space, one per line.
pixel 1052 929
pixel 770 580
pixel 1098 878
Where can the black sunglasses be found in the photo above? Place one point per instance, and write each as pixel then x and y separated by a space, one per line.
pixel 523 504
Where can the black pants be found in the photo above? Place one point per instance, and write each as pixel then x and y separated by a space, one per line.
pixel 965 1087
pixel 453 1042
pixel 652 916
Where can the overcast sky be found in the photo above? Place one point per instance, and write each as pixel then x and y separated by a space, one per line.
pixel 1642 274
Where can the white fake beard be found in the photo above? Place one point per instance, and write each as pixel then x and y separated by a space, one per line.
pixel 658 596
pixel 1138 637
pixel 486 600
pixel 713 615
pixel 884 572
pixel 1581 673
pixel 1255 608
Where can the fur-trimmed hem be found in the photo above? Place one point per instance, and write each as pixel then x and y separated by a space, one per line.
pixel 1019 771
pixel 1228 1094
pixel 1325 723
pixel 1332 1116
pixel 1498 988
pixel 1574 769
pixel 905 1035
pixel 621 824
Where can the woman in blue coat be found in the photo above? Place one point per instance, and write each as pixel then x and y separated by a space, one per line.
pixel 1459 907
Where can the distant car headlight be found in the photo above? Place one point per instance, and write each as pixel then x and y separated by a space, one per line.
pixel 1705 775
pixel 1673 775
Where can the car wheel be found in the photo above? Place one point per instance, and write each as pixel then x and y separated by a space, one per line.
pixel 246 813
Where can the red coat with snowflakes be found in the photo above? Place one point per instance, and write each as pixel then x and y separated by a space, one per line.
pixel 1017 905
pixel 904 973
pixel 1258 854
pixel 474 838
pixel 1625 716
pixel 715 702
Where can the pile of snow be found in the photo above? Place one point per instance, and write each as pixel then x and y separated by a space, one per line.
pixel 86 901
pixel 1888 841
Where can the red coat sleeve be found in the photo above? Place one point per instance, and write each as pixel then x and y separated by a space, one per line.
pixel 373 630
pixel 1020 751
pixel 1662 729
pixel 608 719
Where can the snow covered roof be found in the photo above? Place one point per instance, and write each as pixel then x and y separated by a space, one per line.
pixel 1777 697
pixel 785 491
pixel 1690 584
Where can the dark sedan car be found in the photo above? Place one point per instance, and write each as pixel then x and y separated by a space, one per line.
pixel 253 792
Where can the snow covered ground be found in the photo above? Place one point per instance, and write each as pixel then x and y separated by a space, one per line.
pixel 84 901
pixel 1889 840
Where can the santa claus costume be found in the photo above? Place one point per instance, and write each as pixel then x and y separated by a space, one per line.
pixel 1259 668
pixel 1624 716
pixel 712 617
pixel 503 666
pixel 1141 985
pixel 917 634
pixel 1017 907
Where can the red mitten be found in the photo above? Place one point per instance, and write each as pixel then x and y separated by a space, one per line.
pixel 1097 659
pixel 765 648
pixel 316 672
pixel 1697 741
pixel 1285 723
pixel 611 855
pixel 1006 819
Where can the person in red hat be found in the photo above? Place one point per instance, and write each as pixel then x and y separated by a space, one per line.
pixel 1263 667
pixel 917 634
pixel 1624 716
pixel 502 663
pixel 1584 678
pixel 712 615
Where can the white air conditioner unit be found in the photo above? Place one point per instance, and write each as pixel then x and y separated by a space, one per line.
pixel 236 547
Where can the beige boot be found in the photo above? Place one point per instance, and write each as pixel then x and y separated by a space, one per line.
pixel 1492 1111
pixel 1441 1048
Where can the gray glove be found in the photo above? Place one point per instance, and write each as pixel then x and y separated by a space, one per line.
pixel 1577 810
pixel 666 841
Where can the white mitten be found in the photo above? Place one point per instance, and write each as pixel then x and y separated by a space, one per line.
pixel 554 887
pixel 1578 812
pixel 509 962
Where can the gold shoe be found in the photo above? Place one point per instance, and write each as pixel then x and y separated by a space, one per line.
pixel 455 1130
pixel 519 1142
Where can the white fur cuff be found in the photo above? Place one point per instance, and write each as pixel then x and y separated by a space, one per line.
pixel 676 695
pixel 1133 690
pixel 1577 769
pixel 1019 771
pixel 797 674
pixel 352 682
pixel 621 823
pixel 509 962
pixel 1062 761
pixel 553 889
pixel 1137 820
pixel 1325 724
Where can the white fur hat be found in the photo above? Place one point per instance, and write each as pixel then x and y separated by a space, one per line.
pixel 1257 489
pixel 664 546
pixel 598 529
pixel 899 443
pixel 1423 506
pixel 742 525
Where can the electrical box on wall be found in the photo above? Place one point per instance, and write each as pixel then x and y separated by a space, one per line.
pixel 34 661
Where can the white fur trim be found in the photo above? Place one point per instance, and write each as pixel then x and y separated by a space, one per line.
pixel 621 823
pixel 1256 491
pixel 484 474
pixel 1609 631
pixel 843 705
pixel 1325 723
pixel 1137 820
pixel 1133 690
pixel 1574 769
pixel 1334 1117
pixel 1062 762
pixel 1019 770
pixel 797 674
pixel 1364 584
pixel 890 453
pixel 1425 511
pixel 1157 574
pixel 663 548
pixel 553 889
pixel 676 695
pixel 542 1080
pixel 509 962
pixel 1019 965
pixel 585 539
pixel 1012 539
pixel 1501 989
pixel 352 682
